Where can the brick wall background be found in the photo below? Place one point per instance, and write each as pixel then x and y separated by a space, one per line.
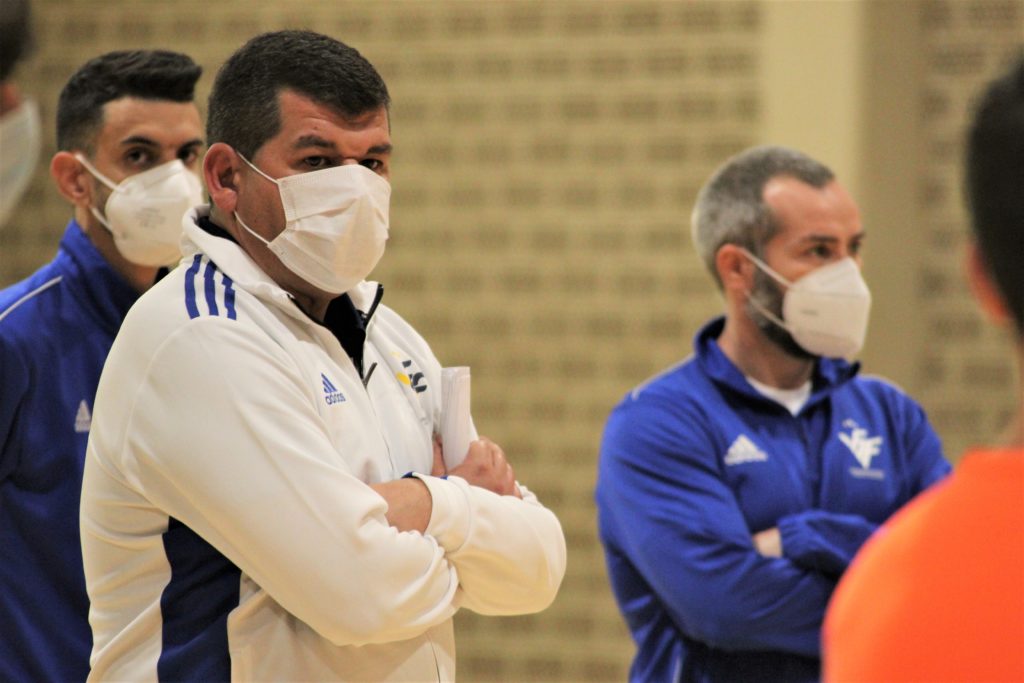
pixel 965 378
pixel 547 158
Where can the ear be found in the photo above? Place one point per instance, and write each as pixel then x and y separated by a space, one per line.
pixel 984 289
pixel 71 178
pixel 10 98
pixel 221 171
pixel 734 269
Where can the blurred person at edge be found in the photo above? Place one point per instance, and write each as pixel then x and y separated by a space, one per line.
pixel 938 594
pixel 264 426
pixel 20 128
pixel 129 139
pixel 735 487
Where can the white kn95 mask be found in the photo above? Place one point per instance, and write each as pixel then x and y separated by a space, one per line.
pixel 336 224
pixel 144 211
pixel 826 310
pixel 20 141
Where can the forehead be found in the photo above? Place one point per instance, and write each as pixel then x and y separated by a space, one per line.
pixel 167 123
pixel 801 209
pixel 303 117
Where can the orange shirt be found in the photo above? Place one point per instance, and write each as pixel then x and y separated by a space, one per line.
pixel 938 593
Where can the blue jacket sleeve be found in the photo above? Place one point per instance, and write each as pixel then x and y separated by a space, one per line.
pixel 14 382
pixel 662 496
pixel 925 463
pixel 823 541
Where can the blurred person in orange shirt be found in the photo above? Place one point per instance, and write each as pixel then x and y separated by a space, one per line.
pixel 938 594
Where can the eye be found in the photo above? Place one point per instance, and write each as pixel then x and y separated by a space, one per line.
pixel 375 165
pixel 138 157
pixel 189 156
pixel 316 162
pixel 822 251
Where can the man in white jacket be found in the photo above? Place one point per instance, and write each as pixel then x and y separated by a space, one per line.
pixel 244 510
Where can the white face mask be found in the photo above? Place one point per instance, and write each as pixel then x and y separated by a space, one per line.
pixel 826 311
pixel 144 211
pixel 20 142
pixel 336 224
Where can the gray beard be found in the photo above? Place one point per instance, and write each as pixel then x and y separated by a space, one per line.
pixel 769 294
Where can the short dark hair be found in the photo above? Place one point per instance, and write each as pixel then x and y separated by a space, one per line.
pixel 730 208
pixel 146 74
pixel 16 29
pixel 243 108
pixel 995 185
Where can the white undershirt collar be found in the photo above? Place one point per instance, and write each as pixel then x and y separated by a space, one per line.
pixel 791 399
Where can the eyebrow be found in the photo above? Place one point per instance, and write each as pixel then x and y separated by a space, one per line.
pixel 139 140
pixel 148 142
pixel 830 239
pixel 317 141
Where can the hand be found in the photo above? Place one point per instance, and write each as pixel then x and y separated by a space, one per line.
pixel 438 469
pixel 485 466
pixel 769 542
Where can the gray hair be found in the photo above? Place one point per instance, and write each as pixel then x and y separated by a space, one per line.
pixel 730 208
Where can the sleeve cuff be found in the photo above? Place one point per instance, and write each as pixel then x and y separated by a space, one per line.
pixel 795 541
pixel 450 514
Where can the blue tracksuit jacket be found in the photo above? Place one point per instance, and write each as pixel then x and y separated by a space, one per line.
pixel 56 328
pixel 695 461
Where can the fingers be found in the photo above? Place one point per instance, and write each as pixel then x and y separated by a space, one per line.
pixel 492 469
pixel 438 468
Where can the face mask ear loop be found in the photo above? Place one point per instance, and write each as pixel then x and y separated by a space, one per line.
pixel 95 173
pixel 753 299
pixel 766 268
pixel 766 313
pixel 253 167
pixel 103 221
pixel 250 230
pixel 103 179
pixel 239 218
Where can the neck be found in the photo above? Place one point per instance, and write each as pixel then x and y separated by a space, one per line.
pixel 312 301
pixel 315 308
pixel 1013 436
pixel 139 277
pixel 758 357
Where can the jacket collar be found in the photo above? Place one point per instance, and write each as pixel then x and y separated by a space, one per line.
pixel 101 290
pixel 829 373
pixel 246 274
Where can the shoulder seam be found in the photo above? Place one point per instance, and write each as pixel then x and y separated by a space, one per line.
pixel 38 290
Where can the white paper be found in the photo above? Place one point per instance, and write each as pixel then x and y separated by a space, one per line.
pixel 457 430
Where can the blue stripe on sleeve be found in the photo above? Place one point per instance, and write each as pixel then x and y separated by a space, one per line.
pixel 229 296
pixel 210 288
pixel 190 287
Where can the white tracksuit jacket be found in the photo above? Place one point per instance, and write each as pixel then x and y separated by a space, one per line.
pixel 228 530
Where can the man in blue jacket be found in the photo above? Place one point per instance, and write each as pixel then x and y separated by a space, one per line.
pixel 735 487
pixel 129 138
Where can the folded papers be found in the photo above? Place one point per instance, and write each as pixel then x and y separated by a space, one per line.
pixel 457 430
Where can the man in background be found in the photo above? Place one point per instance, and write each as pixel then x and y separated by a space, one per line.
pixel 734 488
pixel 939 593
pixel 129 138
pixel 20 135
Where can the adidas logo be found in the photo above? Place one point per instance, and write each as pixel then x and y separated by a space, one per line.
pixel 743 450
pixel 331 393
pixel 83 418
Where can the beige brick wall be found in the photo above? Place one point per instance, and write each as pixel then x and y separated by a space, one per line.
pixel 966 378
pixel 547 157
